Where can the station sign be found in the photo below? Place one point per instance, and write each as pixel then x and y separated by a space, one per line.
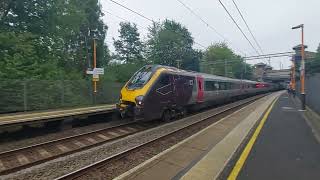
pixel 98 71
pixel 95 73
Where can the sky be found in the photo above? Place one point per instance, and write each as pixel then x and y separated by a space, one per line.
pixel 269 20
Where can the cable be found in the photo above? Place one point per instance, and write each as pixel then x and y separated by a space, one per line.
pixel 269 55
pixel 201 19
pixel 234 21
pixel 139 25
pixel 207 24
pixel 141 15
pixel 122 18
pixel 199 44
pixel 132 11
pixel 251 58
pixel 255 40
pixel 288 55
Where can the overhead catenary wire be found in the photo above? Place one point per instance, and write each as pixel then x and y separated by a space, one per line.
pixel 135 12
pixel 254 38
pixel 234 21
pixel 123 19
pixel 143 16
pixel 142 26
pixel 217 62
pixel 250 58
pixel 207 24
pixel 272 54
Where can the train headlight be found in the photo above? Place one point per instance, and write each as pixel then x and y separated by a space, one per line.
pixel 139 100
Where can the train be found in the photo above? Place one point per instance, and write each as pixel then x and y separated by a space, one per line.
pixel 163 92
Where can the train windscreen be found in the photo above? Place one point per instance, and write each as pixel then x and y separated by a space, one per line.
pixel 140 78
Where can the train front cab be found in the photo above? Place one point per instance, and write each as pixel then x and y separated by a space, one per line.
pixel 132 95
pixel 161 93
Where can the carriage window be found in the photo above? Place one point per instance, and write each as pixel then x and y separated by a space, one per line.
pixel 211 86
pixel 194 88
pixel 207 85
pixel 228 85
pixel 216 85
pixel 222 86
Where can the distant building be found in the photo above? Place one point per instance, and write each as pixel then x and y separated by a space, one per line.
pixel 297 55
pixel 260 70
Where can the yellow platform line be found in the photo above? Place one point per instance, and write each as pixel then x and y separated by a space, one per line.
pixel 244 155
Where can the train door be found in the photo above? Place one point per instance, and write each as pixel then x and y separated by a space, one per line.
pixel 160 96
pixel 200 83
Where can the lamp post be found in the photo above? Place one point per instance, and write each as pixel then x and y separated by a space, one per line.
pixel 302 71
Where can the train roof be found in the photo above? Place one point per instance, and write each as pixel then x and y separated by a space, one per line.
pixel 204 75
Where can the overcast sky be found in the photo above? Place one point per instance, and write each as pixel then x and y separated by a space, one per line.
pixel 269 20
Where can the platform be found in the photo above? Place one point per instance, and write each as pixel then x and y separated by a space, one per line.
pixel 9 119
pixel 286 147
pixel 205 154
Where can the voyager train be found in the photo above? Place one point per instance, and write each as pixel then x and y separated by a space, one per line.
pixel 164 92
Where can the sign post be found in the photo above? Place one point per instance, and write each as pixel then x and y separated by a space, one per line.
pixel 94 64
pixel 96 71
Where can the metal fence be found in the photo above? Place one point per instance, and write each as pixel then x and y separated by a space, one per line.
pixel 312 91
pixel 28 95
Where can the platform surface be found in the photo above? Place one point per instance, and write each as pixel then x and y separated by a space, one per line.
pixel 7 119
pixel 286 147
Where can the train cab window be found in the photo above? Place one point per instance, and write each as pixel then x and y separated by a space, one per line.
pixel 140 78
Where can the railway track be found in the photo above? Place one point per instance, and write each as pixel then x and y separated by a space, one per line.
pixel 21 158
pixel 105 168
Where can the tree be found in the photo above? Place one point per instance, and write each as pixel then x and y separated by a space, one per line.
pixel 191 60
pixel 313 65
pixel 61 32
pixel 94 28
pixel 170 42
pixel 219 59
pixel 19 58
pixel 129 47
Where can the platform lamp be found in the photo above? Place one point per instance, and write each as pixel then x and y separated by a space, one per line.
pixel 302 72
